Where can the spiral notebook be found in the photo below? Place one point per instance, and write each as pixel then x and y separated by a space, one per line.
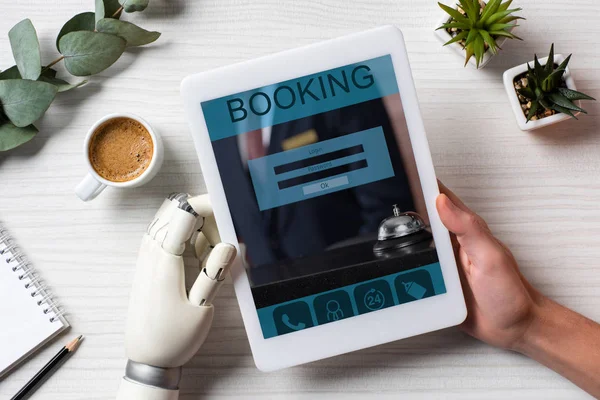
pixel 29 316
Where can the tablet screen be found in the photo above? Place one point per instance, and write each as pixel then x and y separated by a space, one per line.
pixel 324 193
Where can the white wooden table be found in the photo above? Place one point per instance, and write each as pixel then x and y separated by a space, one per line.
pixel 539 192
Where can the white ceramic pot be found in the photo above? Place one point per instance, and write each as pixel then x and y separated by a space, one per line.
pixel 444 36
pixel 508 79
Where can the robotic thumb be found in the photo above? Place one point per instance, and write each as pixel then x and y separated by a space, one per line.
pixel 180 231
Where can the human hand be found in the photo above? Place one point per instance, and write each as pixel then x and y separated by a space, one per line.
pixel 501 303
pixel 506 311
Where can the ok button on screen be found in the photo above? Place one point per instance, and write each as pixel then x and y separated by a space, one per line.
pixel 326 185
pixel 320 168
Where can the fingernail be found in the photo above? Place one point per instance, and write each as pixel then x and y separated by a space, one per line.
pixel 453 207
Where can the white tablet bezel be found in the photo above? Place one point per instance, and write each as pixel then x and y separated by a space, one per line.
pixel 361 331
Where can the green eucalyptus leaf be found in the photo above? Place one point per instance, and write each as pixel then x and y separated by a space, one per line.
pixel 107 9
pixel 87 53
pixel 574 94
pixel 81 22
pixel 61 85
pixel 11 73
pixel 134 5
pixel 24 101
pixel 12 136
pixel 48 72
pixel 26 49
pixel 133 34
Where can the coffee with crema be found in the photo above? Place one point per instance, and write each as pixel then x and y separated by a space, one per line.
pixel 121 149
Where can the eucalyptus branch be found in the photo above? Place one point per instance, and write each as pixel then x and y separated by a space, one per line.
pixel 88 43
pixel 118 12
pixel 53 63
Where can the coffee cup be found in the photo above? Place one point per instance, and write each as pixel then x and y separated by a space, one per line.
pixel 121 150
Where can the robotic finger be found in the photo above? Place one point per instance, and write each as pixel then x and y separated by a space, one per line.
pixel 200 244
pixel 182 218
pixel 212 275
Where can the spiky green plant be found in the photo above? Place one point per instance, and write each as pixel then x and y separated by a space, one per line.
pixel 479 26
pixel 546 88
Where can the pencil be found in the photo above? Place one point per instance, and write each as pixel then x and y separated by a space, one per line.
pixel 48 369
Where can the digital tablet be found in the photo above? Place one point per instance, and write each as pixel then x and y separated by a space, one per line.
pixel 319 171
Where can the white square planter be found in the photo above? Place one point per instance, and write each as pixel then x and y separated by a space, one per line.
pixel 444 36
pixel 508 79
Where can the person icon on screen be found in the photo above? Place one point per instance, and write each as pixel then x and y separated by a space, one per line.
pixel 334 311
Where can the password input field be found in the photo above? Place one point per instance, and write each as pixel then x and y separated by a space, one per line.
pixel 326 173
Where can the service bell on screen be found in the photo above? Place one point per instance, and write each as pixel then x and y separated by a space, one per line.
pixel 398 232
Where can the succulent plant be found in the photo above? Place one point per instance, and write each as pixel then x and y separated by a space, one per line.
pixel 478 25
pixel 546 88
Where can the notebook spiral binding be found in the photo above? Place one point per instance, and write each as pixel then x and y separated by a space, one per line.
pixel 34 284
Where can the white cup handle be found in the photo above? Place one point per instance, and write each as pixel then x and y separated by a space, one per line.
pixel 89 188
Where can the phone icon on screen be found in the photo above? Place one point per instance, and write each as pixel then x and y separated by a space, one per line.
pixel 287 322
pixel 292 317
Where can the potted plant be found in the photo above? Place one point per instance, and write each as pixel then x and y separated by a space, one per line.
pixel 476 28
pixel 545 94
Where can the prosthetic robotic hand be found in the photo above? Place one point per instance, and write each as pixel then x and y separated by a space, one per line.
pixel 166 326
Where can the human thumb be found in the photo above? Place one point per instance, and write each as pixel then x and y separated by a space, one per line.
pixel 455 219
pixel 470 230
